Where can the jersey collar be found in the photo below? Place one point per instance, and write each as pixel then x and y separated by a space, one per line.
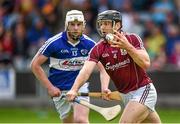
pixel 64 35
pixel 73 44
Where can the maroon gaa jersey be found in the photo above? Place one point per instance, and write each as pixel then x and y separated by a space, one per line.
pixel 124 72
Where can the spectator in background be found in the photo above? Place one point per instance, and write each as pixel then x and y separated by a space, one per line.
pixel 159 10
pixel 117 4
pixel 37 35
pixel 142 5
pixel 175 56
pixel 26 6
pixel 177 4
pixel 2 31
pixel 3 56
pixel 8 43
pixel 90 8
pixel 103 5
pixel 138 27
pixel 21 46
pixel 172 36
pixel 163 12
pixel 155 45
pixel 6 48
pixel 159 62
pixel 6 8
pixel 127 15
pixel 51 16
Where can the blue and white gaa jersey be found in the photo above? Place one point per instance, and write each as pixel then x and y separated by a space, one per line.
pixel 65 59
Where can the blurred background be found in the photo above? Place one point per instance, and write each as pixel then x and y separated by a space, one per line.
pixel 26 24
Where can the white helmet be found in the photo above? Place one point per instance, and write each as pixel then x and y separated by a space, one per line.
pixel 74 15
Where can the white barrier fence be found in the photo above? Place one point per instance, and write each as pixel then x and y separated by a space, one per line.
pixel 7 83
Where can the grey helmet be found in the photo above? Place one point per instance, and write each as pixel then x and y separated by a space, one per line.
pixel 113 15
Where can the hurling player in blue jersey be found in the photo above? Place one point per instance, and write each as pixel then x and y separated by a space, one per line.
pixel 66 53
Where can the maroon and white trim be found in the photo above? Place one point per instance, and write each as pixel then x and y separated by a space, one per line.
pixel 145 94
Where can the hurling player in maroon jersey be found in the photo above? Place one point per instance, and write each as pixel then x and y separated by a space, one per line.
pixel 125 60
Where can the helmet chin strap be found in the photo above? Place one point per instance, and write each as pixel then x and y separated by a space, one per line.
pixel 74 37
pixel 113 26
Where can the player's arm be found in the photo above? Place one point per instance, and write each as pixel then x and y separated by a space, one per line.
pixel 105 79
pixel 140 56
pixel 82 77
pixel 38 71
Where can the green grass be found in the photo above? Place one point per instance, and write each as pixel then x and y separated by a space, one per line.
pixel 28 115
pixel 169 115
pixel 17 115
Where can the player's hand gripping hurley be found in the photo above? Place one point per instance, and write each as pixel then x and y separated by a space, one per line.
pixel 115 95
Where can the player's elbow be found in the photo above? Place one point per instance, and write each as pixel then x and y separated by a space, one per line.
pixel 33 66
pixel 146 64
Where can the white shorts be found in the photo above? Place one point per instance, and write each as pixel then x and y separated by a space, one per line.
pixel 145 95
pixel 63 107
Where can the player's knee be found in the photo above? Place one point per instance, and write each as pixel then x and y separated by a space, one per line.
pixel 152 118
pixel 127 121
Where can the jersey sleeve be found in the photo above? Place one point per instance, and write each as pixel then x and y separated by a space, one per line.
pixel 137 41
pixel 93 55
pixel 89 42
pixel 47 49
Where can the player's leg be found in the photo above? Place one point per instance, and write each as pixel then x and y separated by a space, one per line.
pixel 64 108
pixel 134 112
pixel 153 117
pixel 81 114
pixel 139 104
pixel 68 119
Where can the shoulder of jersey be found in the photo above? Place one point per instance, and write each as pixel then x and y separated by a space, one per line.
pixel 134 35
pixel 88 38
pixel 101 41
pixel 54 38
pixel 131 34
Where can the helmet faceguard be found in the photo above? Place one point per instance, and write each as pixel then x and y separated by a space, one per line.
pixel 109 15
pixel 71 16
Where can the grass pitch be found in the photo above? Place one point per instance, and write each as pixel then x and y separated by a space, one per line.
pixel 48 115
